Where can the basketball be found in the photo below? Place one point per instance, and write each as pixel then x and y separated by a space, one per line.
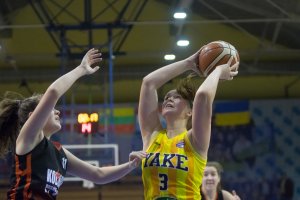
pixel 214 54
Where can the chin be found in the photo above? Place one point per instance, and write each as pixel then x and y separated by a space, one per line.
pixel 56 128
pixel 209 187
pixel 167 112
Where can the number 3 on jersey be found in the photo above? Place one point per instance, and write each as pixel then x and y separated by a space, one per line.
pixel 163 181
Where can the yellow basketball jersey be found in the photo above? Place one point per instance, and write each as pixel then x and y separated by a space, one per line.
pixel 172 169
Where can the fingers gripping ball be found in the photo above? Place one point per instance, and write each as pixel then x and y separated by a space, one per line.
pixel 214 54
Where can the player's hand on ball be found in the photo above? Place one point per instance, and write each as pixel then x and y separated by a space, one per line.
pixel 228 71
pixel 193 61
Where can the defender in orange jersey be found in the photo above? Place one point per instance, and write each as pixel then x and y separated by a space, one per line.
pixel 40 164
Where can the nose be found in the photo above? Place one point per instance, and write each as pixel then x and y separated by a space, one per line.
pixel 57 112
pixel 171 98
pixel 209 176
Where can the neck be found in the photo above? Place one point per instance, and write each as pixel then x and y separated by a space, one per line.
pixel 174 132
pixel 47 135
pixel 210 194
pixel 175 127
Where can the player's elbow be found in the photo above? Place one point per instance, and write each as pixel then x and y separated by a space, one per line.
pixel 203 96
pixel 52 92
pixel 148 82
pixel 99 176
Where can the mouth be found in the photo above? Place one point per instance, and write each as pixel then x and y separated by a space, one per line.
pixel 210 182
pixel 169 105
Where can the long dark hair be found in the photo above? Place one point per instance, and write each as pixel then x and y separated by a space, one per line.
pixel 14 111
pixel 187 89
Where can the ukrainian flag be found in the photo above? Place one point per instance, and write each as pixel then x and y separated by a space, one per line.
pixel 232 113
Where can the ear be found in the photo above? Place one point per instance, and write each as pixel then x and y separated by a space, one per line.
pixel 189 113
pixel 29 114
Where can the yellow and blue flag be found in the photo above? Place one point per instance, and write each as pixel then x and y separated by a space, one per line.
pixel 232 113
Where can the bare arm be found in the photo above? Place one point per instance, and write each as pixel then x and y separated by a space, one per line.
pixel 31 133
pixel 148 103
pixel 102 175
pixel 202 108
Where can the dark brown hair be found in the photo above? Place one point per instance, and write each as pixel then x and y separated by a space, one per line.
pixel 187 89
pixel 14 111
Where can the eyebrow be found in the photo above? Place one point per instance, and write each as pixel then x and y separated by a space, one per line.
pixel 172 93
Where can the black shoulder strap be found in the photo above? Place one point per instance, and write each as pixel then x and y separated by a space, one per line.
pixel 220 195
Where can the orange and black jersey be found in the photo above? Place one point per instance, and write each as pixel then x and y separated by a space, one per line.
pixel 39 173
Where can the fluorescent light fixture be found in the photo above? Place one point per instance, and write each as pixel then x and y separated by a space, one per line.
pixel 183 43
pixel 179 15
pixel 169 57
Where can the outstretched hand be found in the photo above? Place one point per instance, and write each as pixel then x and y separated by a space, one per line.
pixel 91 57
pixel 135 158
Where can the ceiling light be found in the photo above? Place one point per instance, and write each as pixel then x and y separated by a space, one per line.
pixel 169 57
pixel 179 15
pixel 183 43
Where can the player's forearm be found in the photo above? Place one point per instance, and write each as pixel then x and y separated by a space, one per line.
pixel 209 87
pixel 164 74
pixel 62 84
pixel 113 173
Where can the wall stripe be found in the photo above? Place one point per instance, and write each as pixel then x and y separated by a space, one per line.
pixel 232 118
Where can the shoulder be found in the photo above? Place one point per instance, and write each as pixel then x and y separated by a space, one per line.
pixel 227 195
pixel 155 136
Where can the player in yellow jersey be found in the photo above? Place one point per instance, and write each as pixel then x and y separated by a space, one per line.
pixel 176 156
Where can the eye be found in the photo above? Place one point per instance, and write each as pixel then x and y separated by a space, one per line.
pixel 177 96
